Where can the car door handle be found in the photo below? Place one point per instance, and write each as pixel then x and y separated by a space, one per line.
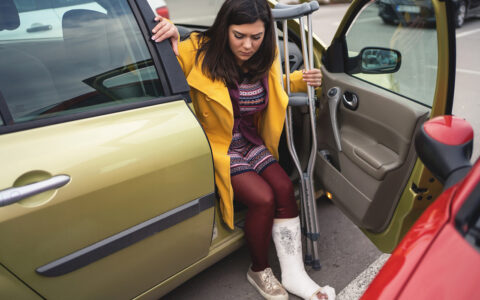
pixel 350 100
pixel 15 194
pixel 333 101
pixel 38 28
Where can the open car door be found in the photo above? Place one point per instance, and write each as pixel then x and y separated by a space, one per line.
pixel 382 78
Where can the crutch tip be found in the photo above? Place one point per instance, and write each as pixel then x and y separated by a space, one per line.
pixel 316 265
pixel 308 260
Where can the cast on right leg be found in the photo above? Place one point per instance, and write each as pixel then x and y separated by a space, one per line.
pixel 288 243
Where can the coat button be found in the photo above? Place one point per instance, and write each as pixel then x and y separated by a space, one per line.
pixel 205 114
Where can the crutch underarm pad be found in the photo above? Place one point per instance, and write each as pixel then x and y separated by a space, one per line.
pixel 285 12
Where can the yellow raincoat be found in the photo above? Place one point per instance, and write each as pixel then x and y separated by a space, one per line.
pixel 213 108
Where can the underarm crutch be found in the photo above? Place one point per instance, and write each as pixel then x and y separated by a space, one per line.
pixel 283 13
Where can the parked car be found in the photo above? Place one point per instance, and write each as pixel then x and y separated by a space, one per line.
pixel 159 7
pixel 43 19
pixel 412 11
pixel 439 257
pixel 204 12
pixel 107 188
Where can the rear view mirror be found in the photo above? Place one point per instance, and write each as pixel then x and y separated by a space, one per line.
pixel 379 60
pixel 373 60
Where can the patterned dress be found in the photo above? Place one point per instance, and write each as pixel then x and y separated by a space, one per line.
pixel 247 151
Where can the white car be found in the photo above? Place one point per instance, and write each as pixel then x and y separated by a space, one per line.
pixel 43 19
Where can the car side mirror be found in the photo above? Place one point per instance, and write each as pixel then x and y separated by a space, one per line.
pixel 375 60
pixel 379 61
pixel 444 144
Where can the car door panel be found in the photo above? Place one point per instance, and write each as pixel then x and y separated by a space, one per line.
pixel 372 171
pixel 376 146
pixel 126 169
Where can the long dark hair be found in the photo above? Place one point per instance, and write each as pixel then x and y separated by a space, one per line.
pixel 218 60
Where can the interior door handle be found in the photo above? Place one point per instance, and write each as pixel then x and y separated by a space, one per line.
pixel 333 102
pixel 350 100
pixel 15 194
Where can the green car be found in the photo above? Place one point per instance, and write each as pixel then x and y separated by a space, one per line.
pixel 107 185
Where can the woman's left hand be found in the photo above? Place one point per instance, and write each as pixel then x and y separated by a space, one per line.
pixel 166 30
pixel 313 77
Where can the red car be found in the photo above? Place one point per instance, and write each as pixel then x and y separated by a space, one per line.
pixel 439 257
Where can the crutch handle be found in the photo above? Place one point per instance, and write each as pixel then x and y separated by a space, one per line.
pixel 285 11
pixel 298 99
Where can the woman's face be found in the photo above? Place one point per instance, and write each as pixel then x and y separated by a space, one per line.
pixel 245 40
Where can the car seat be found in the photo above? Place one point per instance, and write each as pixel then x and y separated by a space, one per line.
pixel 9 18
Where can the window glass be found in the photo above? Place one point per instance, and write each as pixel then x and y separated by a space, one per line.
pixel 34 5
pixel 408 27
pixel 83 56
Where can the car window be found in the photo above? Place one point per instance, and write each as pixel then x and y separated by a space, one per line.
pixel 98 59
pixel 405 26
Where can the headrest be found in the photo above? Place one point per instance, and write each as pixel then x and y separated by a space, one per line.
pixel 87 39
pixel 9 18
pixel 77 18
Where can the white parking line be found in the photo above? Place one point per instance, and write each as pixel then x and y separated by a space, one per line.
pixel 368 19
pixel 471 72
pixel 465 33
pixel 357 287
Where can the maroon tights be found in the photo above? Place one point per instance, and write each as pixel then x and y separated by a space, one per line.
pixel 267 195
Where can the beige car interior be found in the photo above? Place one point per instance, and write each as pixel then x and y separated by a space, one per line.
pixel 377 152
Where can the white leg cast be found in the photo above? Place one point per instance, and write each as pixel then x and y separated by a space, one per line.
pixel 288 243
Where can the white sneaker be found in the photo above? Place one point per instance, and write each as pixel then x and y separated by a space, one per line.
pixel 267 284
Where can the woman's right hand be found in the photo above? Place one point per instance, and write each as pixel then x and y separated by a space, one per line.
pixel 166 30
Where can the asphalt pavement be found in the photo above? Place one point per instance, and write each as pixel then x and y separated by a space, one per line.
pixel 344 251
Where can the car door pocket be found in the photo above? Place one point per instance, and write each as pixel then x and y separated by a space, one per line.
pixel 348 197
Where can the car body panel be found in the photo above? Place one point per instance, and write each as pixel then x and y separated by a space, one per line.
pixel 432 247
pixel 129 172
pixel 12 288
pixel 449 252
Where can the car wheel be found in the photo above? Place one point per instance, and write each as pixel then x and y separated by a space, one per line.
pixel 387 21
pixel 461 13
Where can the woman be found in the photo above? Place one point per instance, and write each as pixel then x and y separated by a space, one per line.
pixel 239 101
